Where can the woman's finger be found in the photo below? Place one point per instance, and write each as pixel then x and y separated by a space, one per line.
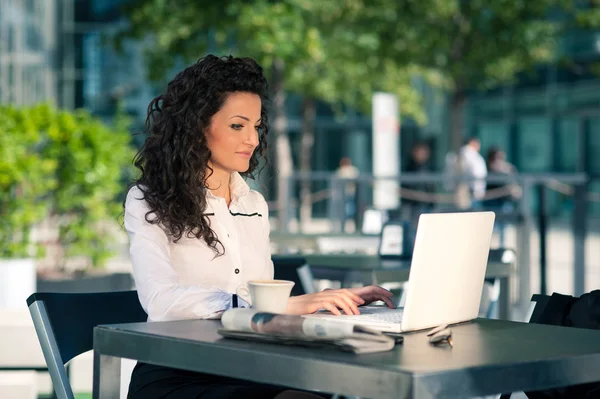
pixel 388 301
pixel 329 306
pixel 377 290
pixel 339 304
pixel 356 298
pixel 348 300
pixel 371 292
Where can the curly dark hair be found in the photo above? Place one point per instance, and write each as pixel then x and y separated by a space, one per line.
pixel 174 158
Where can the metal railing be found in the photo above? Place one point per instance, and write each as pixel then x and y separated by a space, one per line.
pixel 528 191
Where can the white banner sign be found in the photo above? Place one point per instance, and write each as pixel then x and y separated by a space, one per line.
pixel 386 156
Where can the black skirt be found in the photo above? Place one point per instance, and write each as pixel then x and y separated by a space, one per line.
pixel 157 382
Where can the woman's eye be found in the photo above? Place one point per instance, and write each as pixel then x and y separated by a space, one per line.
pixel 257 128
pixel 237 126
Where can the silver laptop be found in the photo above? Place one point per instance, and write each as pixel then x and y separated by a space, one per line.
pixel 446 275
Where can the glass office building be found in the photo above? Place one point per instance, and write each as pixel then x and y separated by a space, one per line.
pixel 548 121
pixel 108 77
pixel 29 68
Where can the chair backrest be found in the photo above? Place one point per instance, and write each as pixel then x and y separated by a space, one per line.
pixel 504 255
pixel 540 304
pixel 65 323
pixel 122 281
pixel 373 221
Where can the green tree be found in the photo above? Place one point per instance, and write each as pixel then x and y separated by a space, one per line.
pixel 64 166
pixel 473 44
pixel 307 47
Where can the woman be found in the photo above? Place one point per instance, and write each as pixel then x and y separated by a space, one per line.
pixel 504 204
pixel 196 230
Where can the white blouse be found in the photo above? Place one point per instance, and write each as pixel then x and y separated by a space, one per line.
pixel 185 280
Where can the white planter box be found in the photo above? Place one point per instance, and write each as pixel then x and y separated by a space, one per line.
pixel 17 282
pixel 18 385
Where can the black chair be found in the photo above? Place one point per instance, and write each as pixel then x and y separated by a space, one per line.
pixel 541 302
pixel 503 255
pixel 64 324
pixel 294 268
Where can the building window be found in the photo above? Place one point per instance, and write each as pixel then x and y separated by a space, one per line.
pixel 594 146
pixel 495 134
pixel 568 133
pixel 534 144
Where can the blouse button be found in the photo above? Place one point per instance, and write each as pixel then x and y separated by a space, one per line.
pixel 237 271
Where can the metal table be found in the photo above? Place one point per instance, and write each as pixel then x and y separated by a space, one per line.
pixel 489 357
pixel 373 270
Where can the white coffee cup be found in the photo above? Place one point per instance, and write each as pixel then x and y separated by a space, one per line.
pixel 266 295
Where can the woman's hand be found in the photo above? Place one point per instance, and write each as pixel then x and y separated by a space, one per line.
pixel 348 300
pixel 374 293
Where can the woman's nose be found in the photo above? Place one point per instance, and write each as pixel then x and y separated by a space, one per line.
pixel 251 137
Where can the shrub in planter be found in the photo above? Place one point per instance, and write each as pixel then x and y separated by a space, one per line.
pixel 27 178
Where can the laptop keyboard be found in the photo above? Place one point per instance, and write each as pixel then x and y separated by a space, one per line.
pixel 394 316
pixel 369 315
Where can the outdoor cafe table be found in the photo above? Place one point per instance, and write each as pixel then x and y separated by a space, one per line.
pixel 488 357
pixel 373 270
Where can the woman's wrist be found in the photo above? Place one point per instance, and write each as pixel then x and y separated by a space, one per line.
pixel 293 306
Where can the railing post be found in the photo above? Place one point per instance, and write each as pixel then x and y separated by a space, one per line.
pixel 543 230
pixel 336 204
pixel 524 248
pixel 579 235
pixel 287 203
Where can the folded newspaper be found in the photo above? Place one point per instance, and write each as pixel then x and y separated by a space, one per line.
pixel 249 324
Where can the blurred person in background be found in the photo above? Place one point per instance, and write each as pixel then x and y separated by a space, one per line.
pixel 418 162
pixel 472 165
pixel 196 229
pixel 497 165
pixel 503 194
pixel 349 172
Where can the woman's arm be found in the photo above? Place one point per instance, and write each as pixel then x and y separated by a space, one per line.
pixel 161 294
pixel 347 300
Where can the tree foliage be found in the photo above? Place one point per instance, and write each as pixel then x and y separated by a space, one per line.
pixel 476 44
pixel 342 51
pixel 67 165
pixel 325 57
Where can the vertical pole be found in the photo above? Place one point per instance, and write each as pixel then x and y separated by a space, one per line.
pixel 543 229
pixel 525 227
pixel 579 235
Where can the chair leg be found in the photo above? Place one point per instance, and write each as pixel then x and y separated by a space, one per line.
pixel 56 367
pixel 306 279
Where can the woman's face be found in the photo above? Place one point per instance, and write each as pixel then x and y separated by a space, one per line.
pixel 233 133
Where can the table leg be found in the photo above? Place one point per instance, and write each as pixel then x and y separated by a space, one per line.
pixel 504 298
pixel 107 376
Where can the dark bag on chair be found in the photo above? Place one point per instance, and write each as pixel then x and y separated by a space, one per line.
pixel 569 311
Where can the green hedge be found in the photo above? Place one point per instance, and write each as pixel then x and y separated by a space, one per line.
pixel 68 166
